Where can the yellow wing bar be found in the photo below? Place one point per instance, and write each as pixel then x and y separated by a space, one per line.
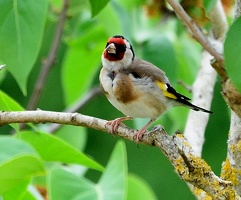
pixel 163 87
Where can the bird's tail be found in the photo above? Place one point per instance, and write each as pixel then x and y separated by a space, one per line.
pixel 196 108
pixel 173 94
pixel 185 101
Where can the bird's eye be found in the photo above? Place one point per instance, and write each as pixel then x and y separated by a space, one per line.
pixel 121 47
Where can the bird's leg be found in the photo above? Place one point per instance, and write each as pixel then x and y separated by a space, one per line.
pixel 116 122
pixel 139 134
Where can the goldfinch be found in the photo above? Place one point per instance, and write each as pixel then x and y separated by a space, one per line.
pixel 136 87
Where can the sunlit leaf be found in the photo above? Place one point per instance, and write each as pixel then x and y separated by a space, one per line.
pixel 232 56
pixel 113 182
pixel 160 52
pixel 18 191
pixel 63 185
pixel 21 31
pixel 51 148
pixel 139 189
pixel 2 71
pixel 74 135
pixel 12 147
pixel 109 20
pixel 112 185
pixel 97 6
pixel 81 62
pixel 18 169
pixel 9 104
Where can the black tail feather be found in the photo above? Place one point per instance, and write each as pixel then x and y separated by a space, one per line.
pixel 185 100
pixel 196 108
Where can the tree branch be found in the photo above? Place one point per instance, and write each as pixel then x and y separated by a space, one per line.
pixel 229 92
pixel 48 63
pixel 205 81
pixel 203 87
pixel 234 101
pixel 231 169
pixel 202 96
pixel 188 166
pixel 237 9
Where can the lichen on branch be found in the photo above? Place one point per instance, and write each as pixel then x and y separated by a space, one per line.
pixel 188 166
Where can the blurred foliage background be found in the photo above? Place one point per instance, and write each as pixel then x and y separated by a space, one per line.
pixel 27 30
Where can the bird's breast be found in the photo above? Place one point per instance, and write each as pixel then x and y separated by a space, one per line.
pixel 118 85
pixel 135 97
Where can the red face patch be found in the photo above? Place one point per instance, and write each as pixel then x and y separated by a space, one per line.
pixel 119 41
pixel 120 49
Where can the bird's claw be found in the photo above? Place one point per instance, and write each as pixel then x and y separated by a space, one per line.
pixel 114 124
pixel 139 135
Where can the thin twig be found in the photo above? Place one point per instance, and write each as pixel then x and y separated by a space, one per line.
pixel 202 96
pixel 230 94
pixel 205 80
pixel 48 63
pixel 185 86
pixel 195 30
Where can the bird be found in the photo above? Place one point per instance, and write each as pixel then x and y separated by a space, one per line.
pixel 136 87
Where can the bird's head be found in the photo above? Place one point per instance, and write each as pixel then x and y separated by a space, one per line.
pixel 118 50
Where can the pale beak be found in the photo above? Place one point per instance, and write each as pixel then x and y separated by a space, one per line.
pixel 111 49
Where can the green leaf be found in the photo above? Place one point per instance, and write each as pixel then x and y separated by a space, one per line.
pixel 209 4
pixel 76 136
pixel 97 6
pixel 188 54
pixel 18 191
pixel 139 189
pixel 9 104
pixel 159 50
pixel 113 183
pixel 232 46
pixel 15 151
pixel 2 72
pixel 51 148
pixel 21 30
pixel 11 147
pixel 18 169
pixel 81 62
pixel 29 196
pixel 63 185
pixel 56 4
pixel 110 21
pixel 131 5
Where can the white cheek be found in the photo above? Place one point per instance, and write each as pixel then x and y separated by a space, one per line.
pixel 128 57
